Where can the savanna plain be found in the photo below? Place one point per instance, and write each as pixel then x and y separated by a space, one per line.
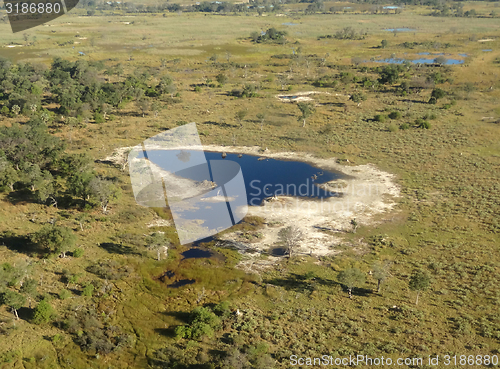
pixel 90 279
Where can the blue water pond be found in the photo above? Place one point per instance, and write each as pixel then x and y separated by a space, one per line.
pixel 450 61
pixel 264 177
pixel 404 29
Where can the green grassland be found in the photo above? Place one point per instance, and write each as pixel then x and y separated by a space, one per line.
pixel 447 221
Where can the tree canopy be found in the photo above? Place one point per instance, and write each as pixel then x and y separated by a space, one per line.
pixel 419 282
pixel 54 239
pixel 351 277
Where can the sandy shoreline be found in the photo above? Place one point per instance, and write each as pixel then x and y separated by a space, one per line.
pixel 366 191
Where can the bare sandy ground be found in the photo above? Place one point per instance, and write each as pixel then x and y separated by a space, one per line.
pixel 365 192
pixel 303 96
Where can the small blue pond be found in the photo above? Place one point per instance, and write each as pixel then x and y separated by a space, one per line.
pixel 418 61
pixel 289 24
pixel 404 29
pixel 196 253
pixel 262 177
pixel 428 53
pixel 487 49
pixel 182 282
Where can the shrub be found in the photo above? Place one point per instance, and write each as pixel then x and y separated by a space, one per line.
pixel 236 92
pixel 357 97
pixel 249 91
pixel 436 94
pixel 203 323
pixel 5 111
pixel 222 309
pixel 182 331
pixel 395 115
pixel 404 126
pixel 392 128
pixel 43 313
pixel 421 123
pixel 78 253
pixel 379 118
pixel 110 270
pixel 88 290
pixel 64 294
pixel 197 89
pixel 221 79
pixel 98 118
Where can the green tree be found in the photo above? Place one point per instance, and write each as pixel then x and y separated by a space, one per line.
pixel 307 109
pixel 383 44
pixel 45 188
pixel 88 290
pixel 155 108
pixel 79 185
pixel 357 97
pixel 422 123
pixel 143 104
pixel 157 241
pixel 261 117
pixel 419 282
pixel 221 79
pixel 436 94
pixel 8 175
pixel 355 225
pixel 240 115
pixel 14 300
pixel 102 191
pixel 32 175
pixel 255 36
pixel 380 273
pixel 389 74
pixel 291 237
pixel 166 85
pixel 64 294
pixel 76 163
pixel 98 118
pixel 395 115
pixel 71 279
pixel 29 288
pixel 54 239
pixel 351 277
pixel 203 322
pixel 16 109
pixel 441 60
pixel 44 312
